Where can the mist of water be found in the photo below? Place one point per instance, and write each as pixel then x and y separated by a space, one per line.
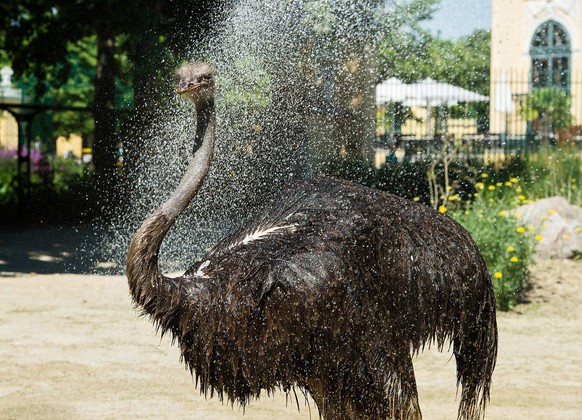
pixel 276 62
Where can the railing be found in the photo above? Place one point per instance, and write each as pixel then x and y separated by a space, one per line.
pixel 469 147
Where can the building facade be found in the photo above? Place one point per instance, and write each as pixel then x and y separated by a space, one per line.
pixel 535 45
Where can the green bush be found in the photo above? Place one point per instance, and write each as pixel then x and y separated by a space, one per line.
pixel 58 190
pixel 8 181
pixel 68 174
pixel 505 246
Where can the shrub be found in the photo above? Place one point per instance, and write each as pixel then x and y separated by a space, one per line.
pixel 549 109
pixel 67 174
pixel 505 248
pixel 58 189
pixel 8 181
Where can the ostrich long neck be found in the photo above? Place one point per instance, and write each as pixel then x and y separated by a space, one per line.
pixel 142 266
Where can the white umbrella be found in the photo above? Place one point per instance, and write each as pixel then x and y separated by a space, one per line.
pixel 391 90
pixel 431 93
pixel 439 93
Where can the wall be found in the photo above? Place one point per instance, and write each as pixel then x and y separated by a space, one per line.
pixel 513 25
pixel 8 131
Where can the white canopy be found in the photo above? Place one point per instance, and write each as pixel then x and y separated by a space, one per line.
pixel 429 92
pixel 391 90
pixel 426 93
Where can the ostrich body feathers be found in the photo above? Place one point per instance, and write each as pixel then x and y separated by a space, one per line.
pixel 331 289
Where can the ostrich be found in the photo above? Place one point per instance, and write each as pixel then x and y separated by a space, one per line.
pixel 330 290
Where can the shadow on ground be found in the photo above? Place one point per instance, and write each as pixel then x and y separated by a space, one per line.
pixel 52 250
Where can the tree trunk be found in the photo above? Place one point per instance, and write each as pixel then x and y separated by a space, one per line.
pixel 145 56
pixel 104 144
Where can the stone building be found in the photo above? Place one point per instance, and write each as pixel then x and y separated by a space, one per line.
pixel 534 44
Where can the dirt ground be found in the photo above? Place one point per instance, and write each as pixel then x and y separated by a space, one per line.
pixel 72 346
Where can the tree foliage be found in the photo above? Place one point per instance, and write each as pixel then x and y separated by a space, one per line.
pixel 411 53
pixel 549 109
pixel 404 42
pixel 61 42
pixel 412 56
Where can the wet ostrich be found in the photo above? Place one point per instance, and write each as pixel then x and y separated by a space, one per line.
pixel 331 289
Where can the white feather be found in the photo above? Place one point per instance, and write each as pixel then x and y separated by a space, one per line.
pixel 200 272
pixel 261 234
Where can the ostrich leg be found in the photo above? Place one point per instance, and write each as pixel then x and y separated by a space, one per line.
pixel 406 405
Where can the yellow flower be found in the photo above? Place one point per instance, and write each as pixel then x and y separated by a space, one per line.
pixel 514 259
pixel 508 184
pixel 497 275
pixel 416 199
pixel 518 189
pixel 499 184
pixel 573 180
pixel 467 212
pixel 520 230
pixel 527 201
pixel 573 187
pixel 442 209
pixel 566 236
pixel 551 211
pixel 480 185
pixel 577 229
pixel 491 187
pixel 539 237
pixel 521 197
pixel 514 180
pixel 502 213
pixel 484 175
pixel 545 225
pixel 516 214
pixel 454 197
pixel 510 248
pixel 530 228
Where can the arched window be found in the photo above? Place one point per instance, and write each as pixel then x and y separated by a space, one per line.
pixel 550 56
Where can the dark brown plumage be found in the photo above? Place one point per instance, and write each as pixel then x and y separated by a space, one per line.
pixel 332 289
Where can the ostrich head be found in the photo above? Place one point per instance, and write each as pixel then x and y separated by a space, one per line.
pixel 195 82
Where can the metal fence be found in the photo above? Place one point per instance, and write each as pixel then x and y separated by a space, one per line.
pixel 521 116
pixel 483 148
pixel 521 104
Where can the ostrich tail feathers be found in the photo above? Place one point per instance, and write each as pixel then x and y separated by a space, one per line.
pixel 476 353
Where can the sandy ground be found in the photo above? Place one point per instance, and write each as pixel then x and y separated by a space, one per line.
pixel 72 346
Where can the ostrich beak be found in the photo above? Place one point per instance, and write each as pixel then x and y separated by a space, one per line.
pixel 189 87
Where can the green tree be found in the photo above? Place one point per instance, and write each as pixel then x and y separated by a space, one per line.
pixel 410 53
pixel 402 51
pixel 415 54
pixel 549 109
pixel 39 35
pixel 77 90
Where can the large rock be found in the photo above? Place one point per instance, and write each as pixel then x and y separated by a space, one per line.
pixel 558 222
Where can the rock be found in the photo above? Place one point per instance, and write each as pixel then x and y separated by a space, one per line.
pixel 558 222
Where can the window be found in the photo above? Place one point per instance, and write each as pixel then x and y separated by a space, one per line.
pixel 550 57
